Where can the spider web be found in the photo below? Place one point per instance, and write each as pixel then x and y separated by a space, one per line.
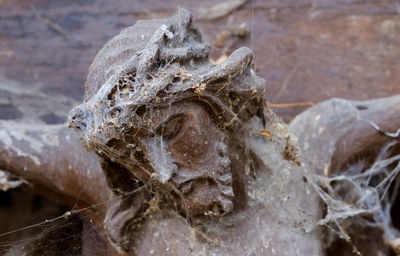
pixel 59 231
pixel 368 197
pixel 61 234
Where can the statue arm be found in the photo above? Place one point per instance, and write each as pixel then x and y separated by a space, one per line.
pixel 52 160
pixel 345 129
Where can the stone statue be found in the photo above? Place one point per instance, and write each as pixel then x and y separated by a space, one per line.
pixel 180 157
pixel 157 112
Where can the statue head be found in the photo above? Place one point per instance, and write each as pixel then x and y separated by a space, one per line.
pixel 157 109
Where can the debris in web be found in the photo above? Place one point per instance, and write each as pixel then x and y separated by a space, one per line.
pixel 363 193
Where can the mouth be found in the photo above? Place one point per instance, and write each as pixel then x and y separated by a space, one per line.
pixel 204 196
pixel 191 184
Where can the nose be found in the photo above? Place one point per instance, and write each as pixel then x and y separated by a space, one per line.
pixel 160 158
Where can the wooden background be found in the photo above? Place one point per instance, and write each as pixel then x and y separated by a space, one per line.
pixel 306 50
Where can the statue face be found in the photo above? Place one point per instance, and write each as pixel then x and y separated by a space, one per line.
pixel 183 146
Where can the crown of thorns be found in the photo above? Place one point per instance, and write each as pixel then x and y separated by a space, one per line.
pixel 155 63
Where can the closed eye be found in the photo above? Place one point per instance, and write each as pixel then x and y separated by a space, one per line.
pixel 171 127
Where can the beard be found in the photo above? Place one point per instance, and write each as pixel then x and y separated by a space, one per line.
pixel 208 190
pixel 204 190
